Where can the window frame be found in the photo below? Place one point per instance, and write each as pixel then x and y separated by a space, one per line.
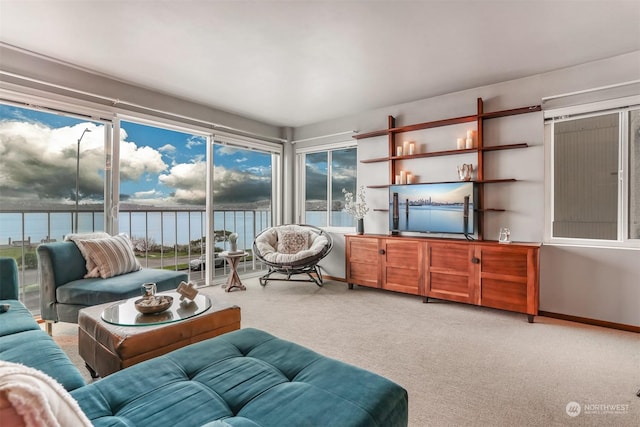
pixel 622 107
pixel 300 173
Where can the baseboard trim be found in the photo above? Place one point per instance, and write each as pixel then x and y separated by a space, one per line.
pixel 337 279
pixel 595 322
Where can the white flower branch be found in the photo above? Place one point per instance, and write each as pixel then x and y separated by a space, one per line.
pixel 356 209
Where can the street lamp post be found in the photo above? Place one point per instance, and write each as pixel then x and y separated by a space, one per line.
pixel 75 228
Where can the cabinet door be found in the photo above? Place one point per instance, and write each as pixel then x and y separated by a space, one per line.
pixel 403 266
pixel 450 272
pixel 363 261
pixel 509 277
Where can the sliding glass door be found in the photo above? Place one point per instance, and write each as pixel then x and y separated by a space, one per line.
pixel 62 173
pixel 52 183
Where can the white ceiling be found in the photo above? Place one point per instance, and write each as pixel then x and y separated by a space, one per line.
pixel 299 62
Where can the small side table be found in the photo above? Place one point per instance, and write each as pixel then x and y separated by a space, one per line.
pixel 233 259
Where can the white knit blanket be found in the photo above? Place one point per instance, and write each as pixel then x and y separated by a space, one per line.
pixel 36 398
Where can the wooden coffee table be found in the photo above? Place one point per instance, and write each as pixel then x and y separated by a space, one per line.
pixel 126 337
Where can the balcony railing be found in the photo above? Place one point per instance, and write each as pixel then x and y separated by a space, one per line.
pixel 165 238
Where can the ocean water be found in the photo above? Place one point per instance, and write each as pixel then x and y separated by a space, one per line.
pixel 167 228
pixel 434 219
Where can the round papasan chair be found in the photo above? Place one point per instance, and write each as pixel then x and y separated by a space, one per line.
pixel 291 250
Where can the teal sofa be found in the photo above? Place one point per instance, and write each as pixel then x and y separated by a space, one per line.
pixel 244 378
pixel 23 341
pixel 64 291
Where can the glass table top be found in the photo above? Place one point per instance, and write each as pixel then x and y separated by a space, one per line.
pixel 124 313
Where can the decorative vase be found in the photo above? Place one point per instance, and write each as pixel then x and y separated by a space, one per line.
pixel 465 171
pixel 360 226
pixel 234 246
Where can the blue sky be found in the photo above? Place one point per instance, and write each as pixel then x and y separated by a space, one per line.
pixel 158 166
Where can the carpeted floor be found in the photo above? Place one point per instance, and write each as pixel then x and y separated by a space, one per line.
pixel 461 365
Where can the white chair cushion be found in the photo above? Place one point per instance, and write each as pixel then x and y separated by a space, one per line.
pixel 267 244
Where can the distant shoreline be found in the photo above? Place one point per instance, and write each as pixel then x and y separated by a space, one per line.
pixel 8 207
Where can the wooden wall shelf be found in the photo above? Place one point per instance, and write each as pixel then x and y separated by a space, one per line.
pixel 449 122
pixel 447 153
pixel 479 150
pixel 484 181
pixel 478 272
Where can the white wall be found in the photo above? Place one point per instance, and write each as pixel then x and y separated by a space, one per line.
pixel 596 283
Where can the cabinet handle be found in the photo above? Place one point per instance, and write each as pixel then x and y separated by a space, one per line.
pixel 381 251
pixel 475 260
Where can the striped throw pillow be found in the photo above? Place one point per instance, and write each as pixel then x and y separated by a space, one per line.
pixel 79 239
pixel 113 256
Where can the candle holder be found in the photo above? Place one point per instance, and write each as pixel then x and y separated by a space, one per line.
pixel 504 236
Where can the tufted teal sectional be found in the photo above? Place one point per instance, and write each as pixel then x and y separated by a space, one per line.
pixel 245 378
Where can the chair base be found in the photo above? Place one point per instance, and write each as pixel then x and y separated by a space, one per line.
pixel 315 276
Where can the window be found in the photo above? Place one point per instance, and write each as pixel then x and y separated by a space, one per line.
pixel 52 179
pixel 316 194
pixel 243 192
pixel 634 174
pixel 324 175
pixel 162 193
pixel 595 176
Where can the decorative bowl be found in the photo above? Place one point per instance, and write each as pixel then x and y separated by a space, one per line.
pixel 153 305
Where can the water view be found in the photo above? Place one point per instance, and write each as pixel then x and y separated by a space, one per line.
pixel 434 219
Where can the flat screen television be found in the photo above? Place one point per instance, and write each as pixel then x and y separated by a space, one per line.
pixel 446 208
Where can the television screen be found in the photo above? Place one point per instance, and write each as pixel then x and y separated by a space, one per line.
pixel 432 208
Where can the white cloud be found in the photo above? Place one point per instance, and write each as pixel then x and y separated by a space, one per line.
pixel 135 161
pixel 39 162
pixel 195 141
pixel 167 148
pixel 226 150
pixel 191 196
pixel 146 194
pixel 188 180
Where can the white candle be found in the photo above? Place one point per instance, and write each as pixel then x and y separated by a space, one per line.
pixel 460 143
pixel 412 148
pixel 398 151
pixel 398 179
pixel 469 143
pixel 409 178
pixel 403 177
pixel 405 148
